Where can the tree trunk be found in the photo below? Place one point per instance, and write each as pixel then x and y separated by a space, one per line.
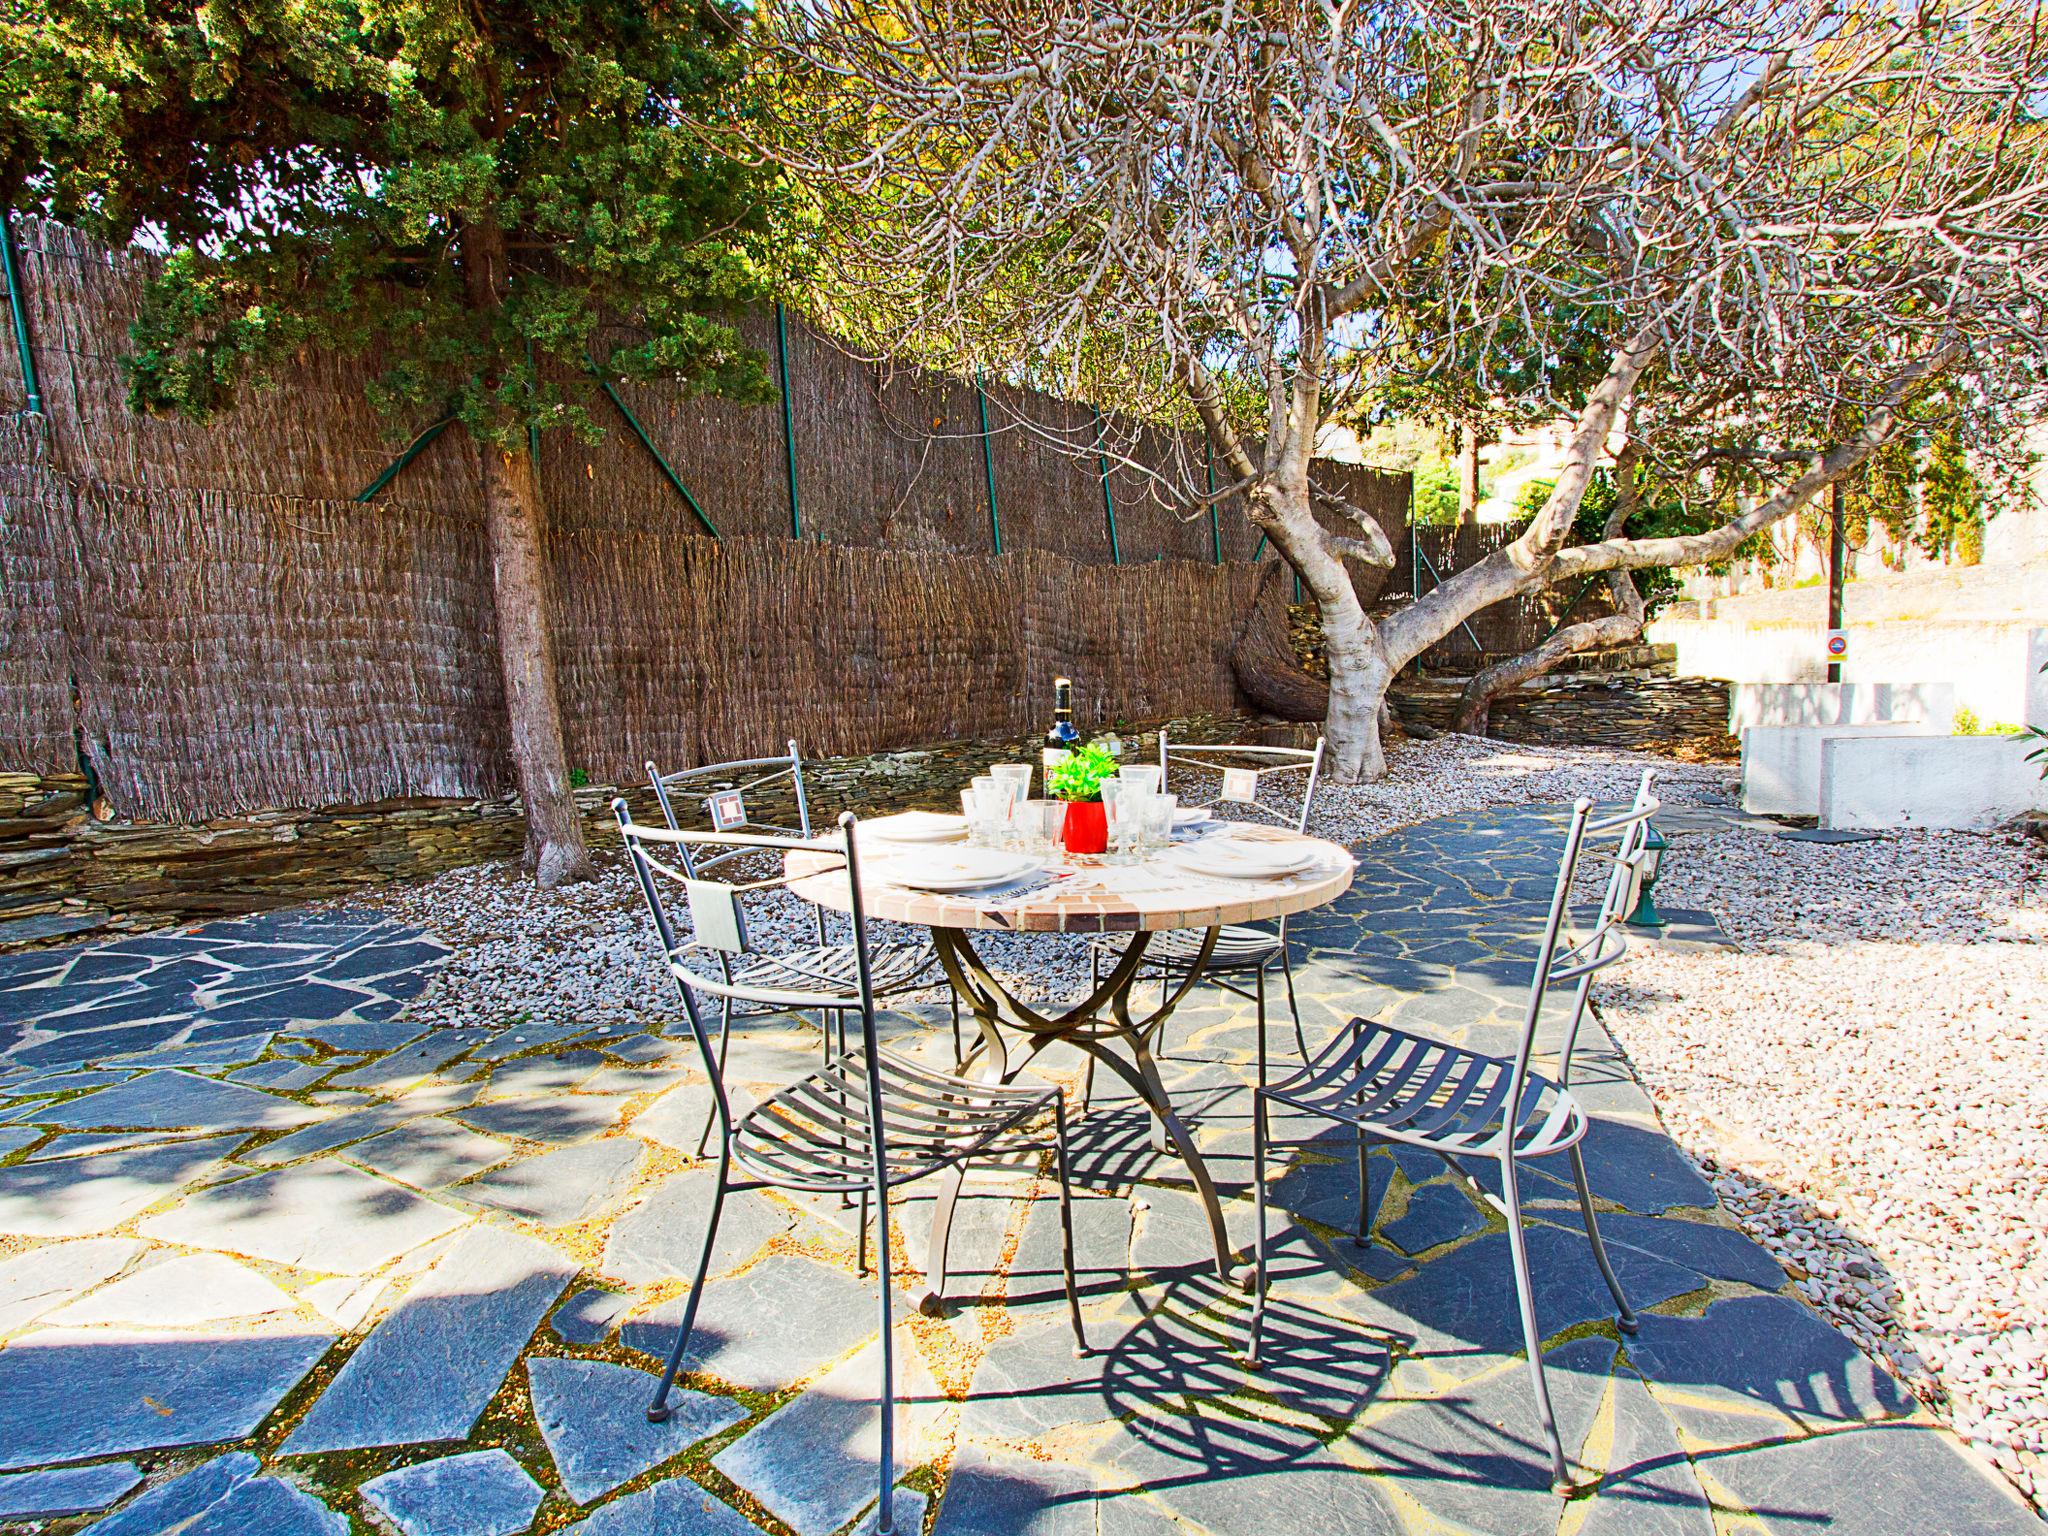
pixel 1475 705
pixel 1359 675
pixel 1357 660
pixel 1468 475
pixel 526 656
pixel 527 660
pixel 513 515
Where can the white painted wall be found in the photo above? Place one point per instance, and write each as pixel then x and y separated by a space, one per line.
pixel 1872 780
pixel 2037 680
pixel 1766 704
pixel 1782 764
pixel 1985 660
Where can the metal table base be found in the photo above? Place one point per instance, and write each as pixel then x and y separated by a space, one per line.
pixel 1103 1027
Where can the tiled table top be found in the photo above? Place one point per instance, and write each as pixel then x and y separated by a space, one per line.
pixel 1087 895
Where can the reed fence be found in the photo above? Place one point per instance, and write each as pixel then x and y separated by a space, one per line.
pixel 210 619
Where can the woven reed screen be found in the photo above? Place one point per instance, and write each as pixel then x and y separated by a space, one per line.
pixel 224 628
pixel 888 457
pixel 35 663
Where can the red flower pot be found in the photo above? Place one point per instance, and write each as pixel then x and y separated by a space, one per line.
pixel 1086 829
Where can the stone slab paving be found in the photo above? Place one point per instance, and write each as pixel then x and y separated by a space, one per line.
pixel 65 1490
pixel 478 1493
pixel 427 1370
pixel 390 1276
pixel 594 1418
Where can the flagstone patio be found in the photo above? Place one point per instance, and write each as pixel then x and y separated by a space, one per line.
pixel 275 1255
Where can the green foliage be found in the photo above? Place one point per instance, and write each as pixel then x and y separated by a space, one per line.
pixel 1081 774
pixel 1434 498
pixel 1952 503
pixel 1530 498
pixel 1967 724
pixel 484 198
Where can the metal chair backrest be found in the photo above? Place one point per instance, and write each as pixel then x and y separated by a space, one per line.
pixel 1560 963
pixel 703 960
pixel 714 798
pixel 1245 774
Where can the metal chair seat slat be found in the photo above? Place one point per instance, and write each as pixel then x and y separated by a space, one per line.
pixel 1465 1118
pixel 1396 1086
pixel 1176 949
pixel 902 1114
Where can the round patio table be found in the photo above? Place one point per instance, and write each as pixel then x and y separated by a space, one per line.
pixel 1081 896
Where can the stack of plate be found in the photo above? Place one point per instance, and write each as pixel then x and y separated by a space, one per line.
pixel 918 827
pixel 1232 859
pixel 957 869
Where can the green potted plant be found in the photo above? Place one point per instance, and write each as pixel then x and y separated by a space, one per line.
pixel 1077 779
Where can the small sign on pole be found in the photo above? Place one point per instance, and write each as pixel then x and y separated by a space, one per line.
pixel 1837 644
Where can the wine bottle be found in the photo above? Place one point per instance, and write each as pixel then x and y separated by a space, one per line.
pixel 1060 738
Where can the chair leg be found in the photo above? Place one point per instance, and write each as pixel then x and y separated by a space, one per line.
pixel 1625 1318
pixel 1059 1134
pixel 1364 1234
pixel 1525 1298
pixel 1251 1351
pixel 885 1510
pixel 861 1259
pixel 658 1410
pixel 953 998
pixel 711 1111
pixel 1293 1007
pixel 1259 990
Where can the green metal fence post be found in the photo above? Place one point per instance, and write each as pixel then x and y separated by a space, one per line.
pixel 411 452
pixel 988 469
pixel 1116 556
pixel 1215 526
pixel 796 520
pixel 647 442
pixel 30 385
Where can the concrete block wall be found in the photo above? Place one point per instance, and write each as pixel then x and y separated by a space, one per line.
pixel 1972 783
pixel 1985 660
pixel 1775 704
pixel 1783 766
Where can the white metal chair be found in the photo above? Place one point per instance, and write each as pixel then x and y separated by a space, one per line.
pixel 866 1122
pixel 1232 782
pixel 1407 1088
pixel 714 798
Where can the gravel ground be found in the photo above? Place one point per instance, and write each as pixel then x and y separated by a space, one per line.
pixel 1865 1077
pixel 1866 1080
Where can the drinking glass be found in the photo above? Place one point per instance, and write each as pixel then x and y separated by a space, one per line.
pixel 1052 822
pixel 1145 776
pixel 1159 811
pixel 1019 773
pixel 1125 809
pixel 977 828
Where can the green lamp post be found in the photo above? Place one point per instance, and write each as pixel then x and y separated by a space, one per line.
pixel 1645 914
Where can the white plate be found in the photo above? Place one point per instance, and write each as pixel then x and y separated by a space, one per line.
pixel 919 827
pixel 1242 861
pixel 958 869
pixel 1190 818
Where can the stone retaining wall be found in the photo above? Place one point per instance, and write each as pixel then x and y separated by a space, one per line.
pixel 1685 716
